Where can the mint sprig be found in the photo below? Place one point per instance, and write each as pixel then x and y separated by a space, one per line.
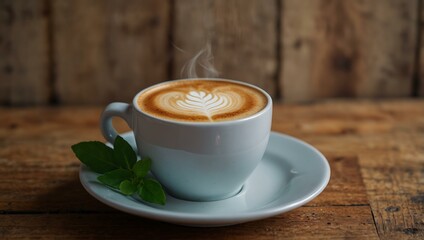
pixel 120 169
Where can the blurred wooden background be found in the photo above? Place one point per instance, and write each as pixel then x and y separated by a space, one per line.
pixel 95 52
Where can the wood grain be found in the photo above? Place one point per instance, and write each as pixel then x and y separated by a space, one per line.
pixel 242 34
pixel 95 52
pixel 387 138
pixel 323 223
pixel 346 187
pixel 375 150
pixel 109 50
pixel 347 49
pixel 24 52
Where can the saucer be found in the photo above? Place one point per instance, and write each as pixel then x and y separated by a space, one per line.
pixel 290 174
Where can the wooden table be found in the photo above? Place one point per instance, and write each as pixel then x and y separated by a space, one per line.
pixel 375 149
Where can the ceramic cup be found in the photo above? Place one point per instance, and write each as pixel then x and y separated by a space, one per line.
pixel 196 161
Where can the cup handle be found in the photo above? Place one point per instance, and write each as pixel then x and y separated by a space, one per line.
pixel 116 109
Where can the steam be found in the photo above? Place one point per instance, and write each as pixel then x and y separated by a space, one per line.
pixel 204 60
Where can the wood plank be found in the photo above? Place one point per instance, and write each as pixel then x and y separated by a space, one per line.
pixel 387 139
pixel 347 49
pixel 303 223
pixel 394 177
pixel 24 51
pixel 348 120
pixel 346 187
pixel 392 170
pixel 35 143
pixel 113 48
pixel 242 34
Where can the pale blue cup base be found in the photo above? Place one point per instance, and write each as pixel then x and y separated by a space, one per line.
pixel 194 199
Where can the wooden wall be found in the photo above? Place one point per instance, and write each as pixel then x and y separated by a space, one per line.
pixel 95 51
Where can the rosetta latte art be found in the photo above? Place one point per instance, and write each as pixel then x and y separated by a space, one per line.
pixel 206 103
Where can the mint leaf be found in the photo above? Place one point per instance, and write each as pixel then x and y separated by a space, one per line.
pixel 123 153
pixel 96 155
pixel 115 177
pixel 120 169
pixel 152 192
pixel 127 187
pixel 142 167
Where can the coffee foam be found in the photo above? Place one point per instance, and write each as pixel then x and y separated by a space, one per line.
pixel 202 101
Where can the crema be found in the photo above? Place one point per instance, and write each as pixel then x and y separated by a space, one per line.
pixel 201 100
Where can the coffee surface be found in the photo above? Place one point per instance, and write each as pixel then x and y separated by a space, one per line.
pixel 201 101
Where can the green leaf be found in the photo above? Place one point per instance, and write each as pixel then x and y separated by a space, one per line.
pixel 115 178
pixel 123 153
pixel 127 187
pixel 142 167
pixel 152 192
pixel 96 155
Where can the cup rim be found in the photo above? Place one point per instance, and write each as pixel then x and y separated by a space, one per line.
pixel 188 123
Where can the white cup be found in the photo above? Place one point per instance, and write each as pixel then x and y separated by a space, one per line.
pixel 196 161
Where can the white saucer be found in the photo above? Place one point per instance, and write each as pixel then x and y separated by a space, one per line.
pixel 291 174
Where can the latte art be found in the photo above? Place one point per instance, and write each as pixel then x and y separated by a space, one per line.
pixel 202 101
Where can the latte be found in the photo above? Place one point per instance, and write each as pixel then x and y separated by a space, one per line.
pixel 201 100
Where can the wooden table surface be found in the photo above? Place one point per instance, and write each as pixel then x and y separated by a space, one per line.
pixel 375 149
